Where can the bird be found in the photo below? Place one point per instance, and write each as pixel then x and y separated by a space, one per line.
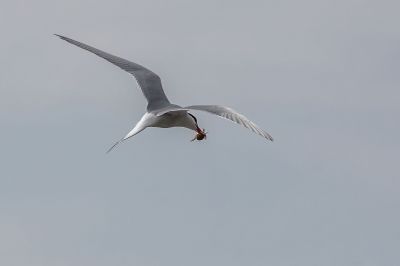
pixel 160 111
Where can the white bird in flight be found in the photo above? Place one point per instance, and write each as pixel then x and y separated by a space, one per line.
pixel 160 112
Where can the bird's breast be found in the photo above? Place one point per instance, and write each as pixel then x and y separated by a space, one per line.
pixel 175 119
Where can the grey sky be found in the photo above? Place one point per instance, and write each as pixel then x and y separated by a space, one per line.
pixel 321 76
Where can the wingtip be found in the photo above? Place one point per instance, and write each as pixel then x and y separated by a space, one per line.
pixel 60 36
pixel 269 137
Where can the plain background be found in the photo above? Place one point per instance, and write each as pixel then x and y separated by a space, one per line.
pixel 321 76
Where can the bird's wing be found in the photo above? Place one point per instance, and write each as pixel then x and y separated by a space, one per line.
pixel 222 111
pixel 148 81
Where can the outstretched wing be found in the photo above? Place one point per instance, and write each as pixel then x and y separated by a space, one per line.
pixel 148 81
pixel 222 111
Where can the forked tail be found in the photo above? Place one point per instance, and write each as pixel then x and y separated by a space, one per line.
pixel 113 146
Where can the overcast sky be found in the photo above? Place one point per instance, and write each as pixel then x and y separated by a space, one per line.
pixel 321 76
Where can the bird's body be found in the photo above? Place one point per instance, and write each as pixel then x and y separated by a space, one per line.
pixel 160 112
pixel 167 120
pixel 173 119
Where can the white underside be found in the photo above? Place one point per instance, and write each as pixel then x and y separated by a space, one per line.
pixel 172 119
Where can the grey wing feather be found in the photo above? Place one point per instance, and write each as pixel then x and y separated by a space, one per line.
pixel 149 82
pixel 222 111
pixel 232 115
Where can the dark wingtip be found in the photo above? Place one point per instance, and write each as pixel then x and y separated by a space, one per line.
pixel 269 137
pixel 60 36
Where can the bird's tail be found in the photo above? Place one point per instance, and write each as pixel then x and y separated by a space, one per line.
pixel 115 145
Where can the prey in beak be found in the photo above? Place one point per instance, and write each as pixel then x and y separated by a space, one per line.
pixel 201 134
